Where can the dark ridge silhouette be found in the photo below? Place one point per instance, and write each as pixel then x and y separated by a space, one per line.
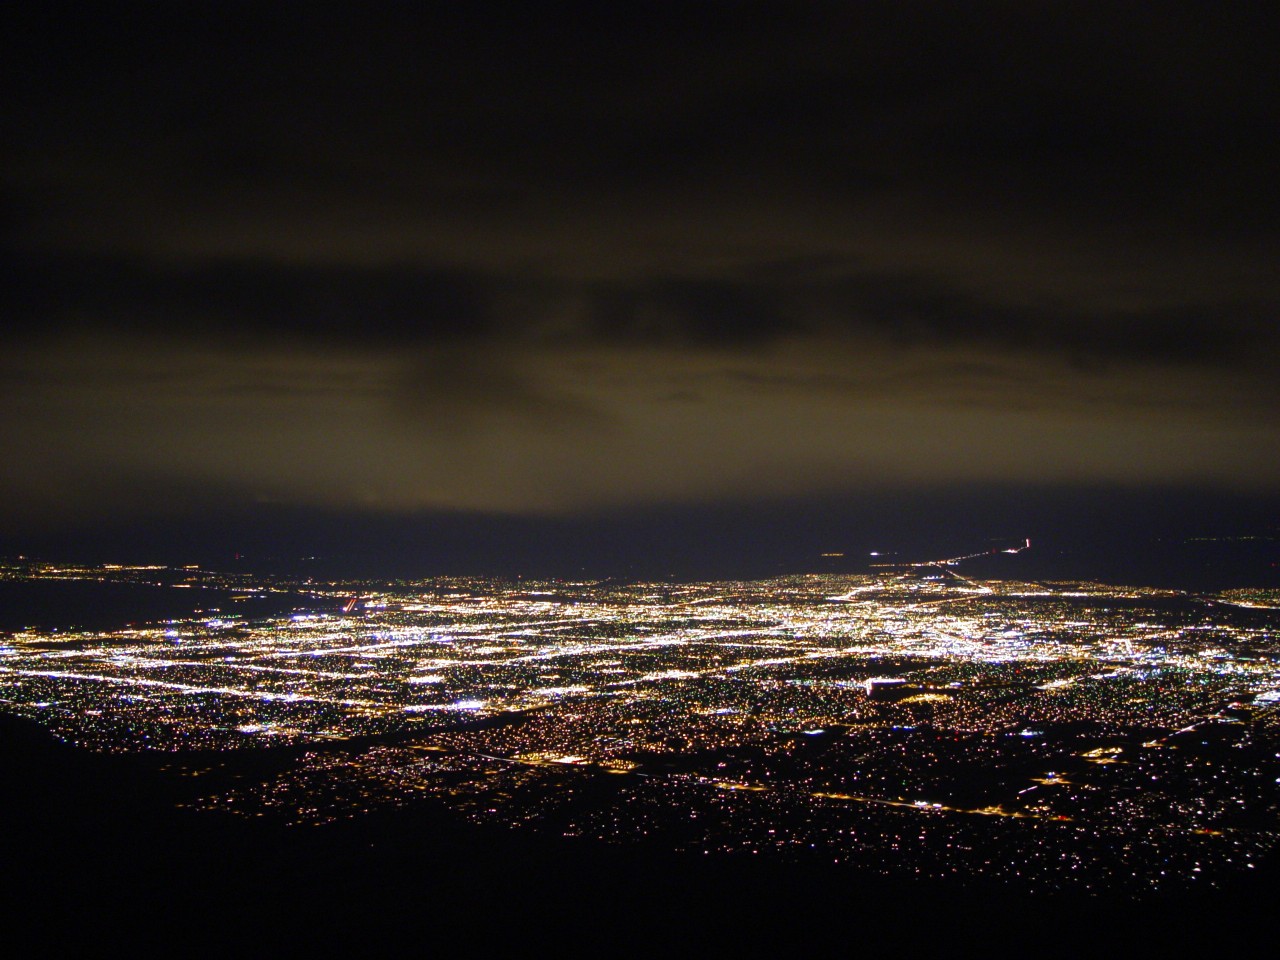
pixel 95 851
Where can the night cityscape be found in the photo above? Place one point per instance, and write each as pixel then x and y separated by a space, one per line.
pixel 1077 736
pixel 663 478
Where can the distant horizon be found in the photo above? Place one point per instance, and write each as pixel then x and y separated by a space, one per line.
pixel 1190 559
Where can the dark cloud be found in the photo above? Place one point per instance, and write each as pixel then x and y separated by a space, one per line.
pixel 327 302
pixel 754 306
pixel 572 257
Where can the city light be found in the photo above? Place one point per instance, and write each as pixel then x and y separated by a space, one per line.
pixel 1100 738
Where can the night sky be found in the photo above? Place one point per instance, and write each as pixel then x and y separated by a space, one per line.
pixel 562 286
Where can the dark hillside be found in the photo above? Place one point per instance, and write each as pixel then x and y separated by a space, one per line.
pixel 92 851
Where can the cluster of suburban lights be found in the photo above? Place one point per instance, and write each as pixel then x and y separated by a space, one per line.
pixel 816 713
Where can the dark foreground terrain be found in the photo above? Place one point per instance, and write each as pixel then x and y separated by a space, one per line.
pixel 97 857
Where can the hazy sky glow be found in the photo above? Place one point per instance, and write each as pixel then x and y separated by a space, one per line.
pixel 552 262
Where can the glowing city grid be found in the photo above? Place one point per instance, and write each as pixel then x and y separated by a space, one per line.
pixel 1063 736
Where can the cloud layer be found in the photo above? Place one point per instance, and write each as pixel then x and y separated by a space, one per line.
pixel 562 261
